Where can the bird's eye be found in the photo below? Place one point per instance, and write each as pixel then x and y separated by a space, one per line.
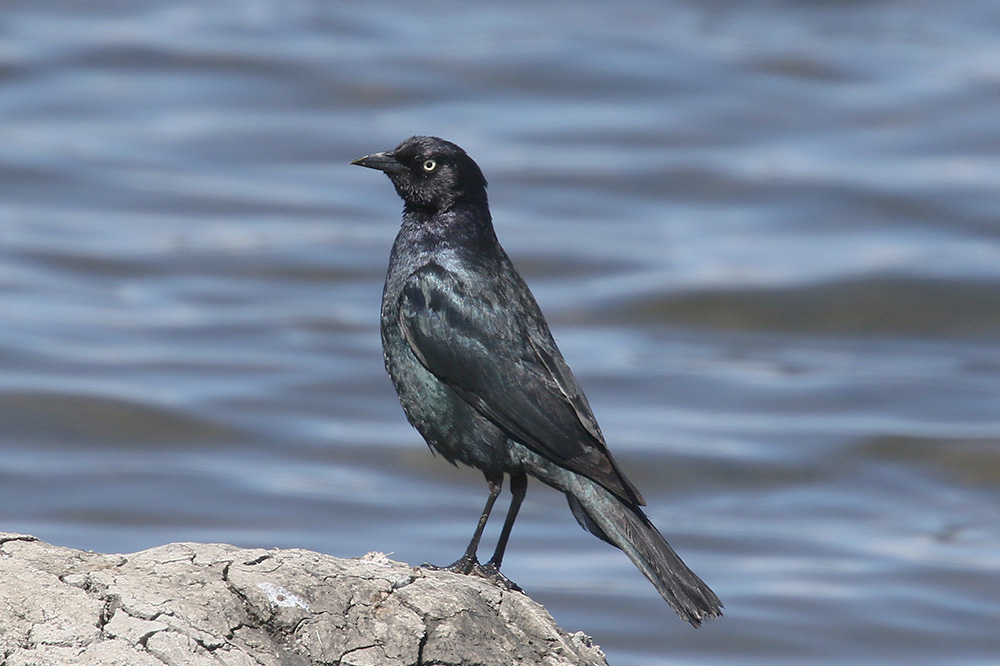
pixel 429 165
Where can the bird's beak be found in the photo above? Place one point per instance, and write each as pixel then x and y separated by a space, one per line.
pixel 385 162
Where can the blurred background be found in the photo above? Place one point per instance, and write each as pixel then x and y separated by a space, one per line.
pixel 765 234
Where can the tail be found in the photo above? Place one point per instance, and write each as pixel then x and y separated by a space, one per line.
pixel 627 527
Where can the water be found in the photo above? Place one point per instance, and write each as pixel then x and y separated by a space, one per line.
pixel 765 235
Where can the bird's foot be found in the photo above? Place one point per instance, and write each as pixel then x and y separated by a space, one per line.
pixel 490 572
pixel 464 565
pixel 470 566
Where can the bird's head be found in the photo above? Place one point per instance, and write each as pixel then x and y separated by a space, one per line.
pixel 430 174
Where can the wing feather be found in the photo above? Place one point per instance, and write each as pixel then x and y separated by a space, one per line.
pixel 509 371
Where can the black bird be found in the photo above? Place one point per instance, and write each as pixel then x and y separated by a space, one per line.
pixel 480 377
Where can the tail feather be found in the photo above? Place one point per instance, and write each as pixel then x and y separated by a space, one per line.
pixel 627 527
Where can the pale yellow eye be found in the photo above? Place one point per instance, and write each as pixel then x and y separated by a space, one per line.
pixel 429 165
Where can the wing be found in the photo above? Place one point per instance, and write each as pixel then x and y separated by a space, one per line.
pixel 498 355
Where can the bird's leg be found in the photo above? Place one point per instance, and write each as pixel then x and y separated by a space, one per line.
pixel 468 562
pixel 518 488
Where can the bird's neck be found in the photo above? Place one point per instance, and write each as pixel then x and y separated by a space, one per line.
pixel 467 224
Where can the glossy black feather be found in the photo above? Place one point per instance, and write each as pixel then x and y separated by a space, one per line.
pixel 475 344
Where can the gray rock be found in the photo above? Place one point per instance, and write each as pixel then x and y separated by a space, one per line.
pixel 192 603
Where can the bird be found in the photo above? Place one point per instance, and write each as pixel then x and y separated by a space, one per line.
pixel 480 377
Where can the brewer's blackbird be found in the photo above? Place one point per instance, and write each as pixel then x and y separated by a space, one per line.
pixel 480 377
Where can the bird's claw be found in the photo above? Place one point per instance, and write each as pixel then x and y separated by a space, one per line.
pixel 464 565
pixel 471 567
pixel 490 572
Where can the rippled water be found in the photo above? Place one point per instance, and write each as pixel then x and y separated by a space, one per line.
pixel 765 234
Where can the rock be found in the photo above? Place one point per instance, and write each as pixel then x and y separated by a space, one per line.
pixel 192 604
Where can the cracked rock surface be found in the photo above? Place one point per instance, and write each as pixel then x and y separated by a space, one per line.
pixel 192 604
